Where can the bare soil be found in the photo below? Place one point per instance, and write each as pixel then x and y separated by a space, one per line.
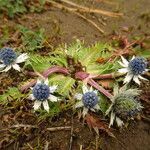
pixel 65 27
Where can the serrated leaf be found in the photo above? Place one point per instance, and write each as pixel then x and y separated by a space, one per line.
pixel 32 40
pixel 87 56
pixel 11 93
pixel 58 58
pixel 103 104
pixel 64 83
pixel 38 63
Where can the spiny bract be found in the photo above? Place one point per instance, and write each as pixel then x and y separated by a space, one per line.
pixel 90 99
pixel 137 65
pixel 41 91
pixel 127 107
pixel 8 56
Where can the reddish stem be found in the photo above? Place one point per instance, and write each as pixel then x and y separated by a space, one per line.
pixel 55 69
pixel 84 75
pixel 104 76
pixel 46 73
pixel 100 88
pixel 30 73
pixel 27 86
pixel 78 75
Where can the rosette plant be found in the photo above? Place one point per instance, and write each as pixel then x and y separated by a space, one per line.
pixel 74 63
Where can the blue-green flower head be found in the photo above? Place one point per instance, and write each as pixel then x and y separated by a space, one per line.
pixel 88 100
pixel 41 93
pixel 8 56
pixel 138 65
pixel 134 69
pixel 9 59
pixel 127 107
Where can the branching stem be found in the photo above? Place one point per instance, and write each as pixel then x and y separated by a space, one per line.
pixel 84 75
pixel 46 73
pixel 79 75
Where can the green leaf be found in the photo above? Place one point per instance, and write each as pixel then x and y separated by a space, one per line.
pixel 38 63
pixel 11 94
pixel 65 83
pixel 54 110
pixel 32 40
pixel 87 56
pixel 12 7
pixel 103 103
pixel 58 58
pixel 15 7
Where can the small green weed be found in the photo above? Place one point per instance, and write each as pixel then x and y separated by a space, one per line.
pixel 32 40
pixel 12 7
pixel 16 7
pixel 11 94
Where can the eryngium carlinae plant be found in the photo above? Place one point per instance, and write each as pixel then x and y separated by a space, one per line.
pixel 41 93
pixel 134 69
pixel 9 59
pixel 124 105
pixel 88 100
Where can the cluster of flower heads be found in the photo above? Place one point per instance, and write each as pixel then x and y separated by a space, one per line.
pixel 124 104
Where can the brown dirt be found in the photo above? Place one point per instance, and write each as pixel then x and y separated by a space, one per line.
pixel 65 27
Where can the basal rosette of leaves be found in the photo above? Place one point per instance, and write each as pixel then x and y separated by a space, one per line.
pixel 87 56
pixel 75 58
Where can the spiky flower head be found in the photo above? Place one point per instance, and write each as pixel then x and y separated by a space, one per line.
pixel 124 105
pixel 9 59
pixel 90 99
pixel 8 56
pixel 127 107
pixel 41 93
pixel 134 69
pixel 138 65
pixel 87 100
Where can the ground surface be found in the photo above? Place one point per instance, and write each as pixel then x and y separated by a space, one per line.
pixel 66 27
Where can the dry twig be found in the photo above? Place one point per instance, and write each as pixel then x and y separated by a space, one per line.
pixel 71 134
pixel 76 12
pixel 90 10
pixel 33 126
pixel 82 9
pixel 105 1
pixel 90 21
pixel 59 128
